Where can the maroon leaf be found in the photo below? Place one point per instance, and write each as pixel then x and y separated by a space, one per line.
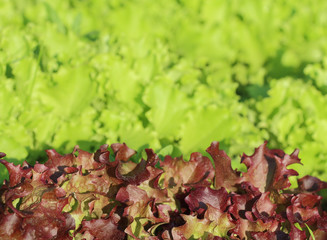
pixel 311 184
pixel 320 235
pixel 46 222
pixel 135 173
pixel 86 160
pixel 103 228
pixel 264 208
pixel 297 234
pixel 91 183
pixel 10 226
pixel 267 169
pixel 203 173
pixel 122 152
pixel 304 209
pixel 55 159
pixel 17 174
pixel 206 196
pixel 131 194
pixel 152 157
pixel 40 168
pixel 122 199
pixel 278 235
pixel 322 222
pixel 179 173
pixel 225 176
pixel 244 227
pixel 102 154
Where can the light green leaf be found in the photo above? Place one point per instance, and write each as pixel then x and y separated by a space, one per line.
pixel 72 92
pixel 25 76
pixel 167 150
pixel 123 81
pixel 207 125
pixel 7 93
pixel 310 231
pixel 76 131
pixel 14 141
pixel 167 105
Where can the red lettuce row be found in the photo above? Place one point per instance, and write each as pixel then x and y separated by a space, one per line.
pixel 106 195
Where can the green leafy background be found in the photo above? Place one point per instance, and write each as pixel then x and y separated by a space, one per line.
pixel 172 75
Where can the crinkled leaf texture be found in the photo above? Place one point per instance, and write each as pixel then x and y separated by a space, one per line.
pixel 107 195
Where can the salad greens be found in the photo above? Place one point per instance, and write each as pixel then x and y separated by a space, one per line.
pixel 110 195
pixel 178 73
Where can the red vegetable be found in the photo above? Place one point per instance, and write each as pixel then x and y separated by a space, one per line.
pixel 105 195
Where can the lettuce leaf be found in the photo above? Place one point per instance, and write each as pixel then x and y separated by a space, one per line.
pixel 85 195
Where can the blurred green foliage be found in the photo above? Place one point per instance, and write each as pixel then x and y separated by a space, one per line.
pixel 177 73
